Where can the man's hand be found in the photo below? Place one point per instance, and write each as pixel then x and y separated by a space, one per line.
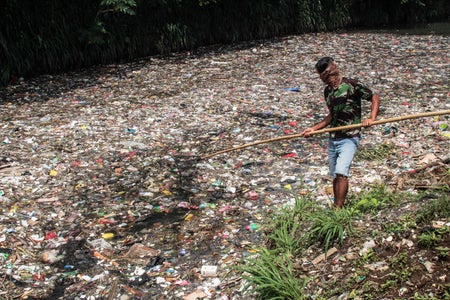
pixel 373 111
pixel 307 132
pixel 367 122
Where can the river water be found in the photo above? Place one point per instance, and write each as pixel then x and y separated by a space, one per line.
pixel 440 28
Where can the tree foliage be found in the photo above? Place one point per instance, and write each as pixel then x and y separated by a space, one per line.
pixel 121 6
pixel 50 35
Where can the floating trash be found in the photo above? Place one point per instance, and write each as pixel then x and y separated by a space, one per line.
pixel 104 192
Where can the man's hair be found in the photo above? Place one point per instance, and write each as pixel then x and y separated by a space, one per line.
pixel 322 64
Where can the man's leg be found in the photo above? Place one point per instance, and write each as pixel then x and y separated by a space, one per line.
pixel 340 189
pixel 332 157
pixel 346 149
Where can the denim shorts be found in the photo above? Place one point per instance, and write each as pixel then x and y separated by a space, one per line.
pixel 340 155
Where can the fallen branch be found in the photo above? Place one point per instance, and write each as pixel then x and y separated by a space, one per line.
pixel 347 127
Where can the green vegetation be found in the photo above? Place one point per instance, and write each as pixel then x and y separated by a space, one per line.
pixel 379 197
pixel 438 208
pixel 52 36
pixel 329 226
pixel 443 253
pixel 429 239
pixel 273 272
pixel 285 227
pixel 405 223
pixel 378 153
pixel 292 231
pixel 272 277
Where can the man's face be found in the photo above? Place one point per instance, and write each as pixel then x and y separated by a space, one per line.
pixel 318 73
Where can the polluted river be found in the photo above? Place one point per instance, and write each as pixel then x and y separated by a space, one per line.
pixel 104 190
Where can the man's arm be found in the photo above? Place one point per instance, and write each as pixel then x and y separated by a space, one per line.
pixel 373 110
pixel 320 125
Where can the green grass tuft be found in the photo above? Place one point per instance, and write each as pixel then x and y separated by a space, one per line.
pixel 329 226
pixel 273 277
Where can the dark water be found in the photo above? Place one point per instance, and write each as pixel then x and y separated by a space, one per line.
pixel 441 28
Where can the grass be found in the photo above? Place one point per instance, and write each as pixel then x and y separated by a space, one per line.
pixel 439 208
pixel 286 226
pixel 443 252
pixel 377 198
pixel 429 239
pixel 291 231
pixel 330 226
pixel 272 277
pixel 285 237
pixel 294 230
pixel 404 224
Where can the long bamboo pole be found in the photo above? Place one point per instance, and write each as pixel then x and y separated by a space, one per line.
pixel 353 126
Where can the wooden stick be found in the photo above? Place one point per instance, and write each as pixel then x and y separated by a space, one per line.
pixel 353 126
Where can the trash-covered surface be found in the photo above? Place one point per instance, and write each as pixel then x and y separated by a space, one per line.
pixel 104 192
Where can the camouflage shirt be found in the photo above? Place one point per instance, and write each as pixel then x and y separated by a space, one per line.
pixel 345 105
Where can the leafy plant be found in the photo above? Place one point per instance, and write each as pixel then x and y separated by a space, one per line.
pixel 417 296
pixel 405 223
pixel 122 6
pixel 428 239
pixel 443 230
pixel 377 198
pixel 402 275
pixel 272 276
pixel 97 33
pixel 436 208
pixel 284 230
pixel 174 37
pixel 443 252
pixel 369 256
pixel 329 226
pixel 445 290
pixel 285 237
pixel 368 204
pixel 399 261
pixel 399 264
pixel 388 284
pixel 303 207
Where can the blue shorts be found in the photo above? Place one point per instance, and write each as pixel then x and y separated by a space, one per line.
pixel 340 155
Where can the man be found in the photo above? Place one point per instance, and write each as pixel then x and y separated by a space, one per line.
pixel 343 97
